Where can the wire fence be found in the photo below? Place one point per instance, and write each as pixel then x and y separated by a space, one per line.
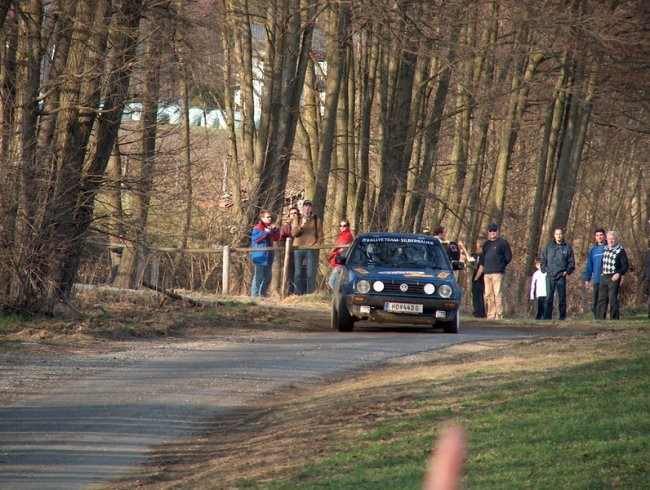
pixel 222 270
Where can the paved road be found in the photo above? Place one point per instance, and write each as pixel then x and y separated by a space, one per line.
pixel 94 429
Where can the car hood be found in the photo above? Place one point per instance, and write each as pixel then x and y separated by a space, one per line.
pixel 404 273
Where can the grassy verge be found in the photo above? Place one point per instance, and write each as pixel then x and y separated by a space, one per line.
pixel 558 413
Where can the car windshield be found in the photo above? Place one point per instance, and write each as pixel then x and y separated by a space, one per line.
pixel 398 253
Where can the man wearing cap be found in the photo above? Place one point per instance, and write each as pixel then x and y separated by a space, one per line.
pixel 497 254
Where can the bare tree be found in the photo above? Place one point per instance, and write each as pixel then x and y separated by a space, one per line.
pixel 60 165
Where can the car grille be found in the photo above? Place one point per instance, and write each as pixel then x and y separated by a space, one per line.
pixel 394 287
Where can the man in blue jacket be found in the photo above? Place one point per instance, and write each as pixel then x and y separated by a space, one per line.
pixel 263 235
pixel 558 263
pixel 595 265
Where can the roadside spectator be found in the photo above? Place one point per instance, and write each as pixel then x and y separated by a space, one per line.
pixel 451 247
pixel 345 238
pixel 264 233
pixel 285 232
pixel 558 263
pixel 497 254
pixel 478 286
pixel 615 265
pixel 594 265
pixel 538 289
pixel 309 233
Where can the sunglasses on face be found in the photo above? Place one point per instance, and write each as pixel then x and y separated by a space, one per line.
pixel 344 224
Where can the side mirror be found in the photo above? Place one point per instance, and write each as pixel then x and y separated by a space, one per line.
pixel 340 259
pixel 457 265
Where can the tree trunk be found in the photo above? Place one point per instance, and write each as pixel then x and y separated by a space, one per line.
pixel 241 164
pixel 395 151
pixel 336 67
pixel 287 53
pixel 369 75
pixel 134 257
pixel 544 179
pixel 186 161
pixel 579 113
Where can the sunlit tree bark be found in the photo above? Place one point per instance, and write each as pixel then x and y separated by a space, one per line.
pixel 62 162
pixel 336 68
pixel 290 28
pixel 399 72
pixel 368 76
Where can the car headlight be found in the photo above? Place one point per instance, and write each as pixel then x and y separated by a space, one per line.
pixel 429 288
pixel 363 286
pixel 445 291
pixel 378 286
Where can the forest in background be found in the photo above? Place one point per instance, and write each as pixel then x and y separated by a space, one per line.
pixel 398 114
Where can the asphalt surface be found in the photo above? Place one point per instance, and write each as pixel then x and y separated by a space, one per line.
pixel 97 428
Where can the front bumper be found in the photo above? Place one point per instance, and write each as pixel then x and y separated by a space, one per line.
pixel 371 307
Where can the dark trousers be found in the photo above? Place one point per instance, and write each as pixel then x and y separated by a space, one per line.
pixel 594 308
pixel 558 284
pixel 478 302
pixel 608 293
pixel 541 306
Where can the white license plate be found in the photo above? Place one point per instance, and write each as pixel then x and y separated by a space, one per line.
pixel 403 308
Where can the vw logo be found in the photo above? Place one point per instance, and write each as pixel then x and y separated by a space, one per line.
pixel 403 287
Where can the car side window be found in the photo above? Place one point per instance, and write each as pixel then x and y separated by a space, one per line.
pixel 357 256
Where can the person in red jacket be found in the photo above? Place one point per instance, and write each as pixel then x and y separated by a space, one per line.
pixel 345 238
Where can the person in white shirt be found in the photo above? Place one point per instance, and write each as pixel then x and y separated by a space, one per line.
pixel 538 289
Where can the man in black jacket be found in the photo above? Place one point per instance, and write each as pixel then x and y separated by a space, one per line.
pixel 497 254
pixel 615 265
pixel 558 263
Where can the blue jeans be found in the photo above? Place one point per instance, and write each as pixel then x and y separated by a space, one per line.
pixel 306 259
pixel 558 284
pixel 336 272
pixel 261 279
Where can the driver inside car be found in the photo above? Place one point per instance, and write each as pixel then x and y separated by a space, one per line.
pixel 409 254
pixel 374 253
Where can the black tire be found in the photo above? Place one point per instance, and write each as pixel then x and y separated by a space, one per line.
pixel 454 325
pixel 341 318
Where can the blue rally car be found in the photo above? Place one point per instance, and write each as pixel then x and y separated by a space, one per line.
pixel 396 278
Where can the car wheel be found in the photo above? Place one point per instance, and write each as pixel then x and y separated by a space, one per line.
pixel 341 319
pixel 454 325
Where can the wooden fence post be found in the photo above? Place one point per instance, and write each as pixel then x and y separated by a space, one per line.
pixel 225 277
pixel 155 268
pixel 285 268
